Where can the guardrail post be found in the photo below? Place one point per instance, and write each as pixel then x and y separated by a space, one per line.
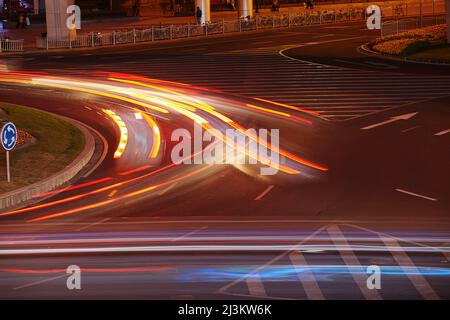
pixel 114 37
pixel 1 44
pixel 153 33
pixel 92 39
pixel 289 20
pixel 134 35
pixel 171 31
pixel 189 30
pixel 223 26
pixel 46 43
pixel 256 18
pixel 320 17
pixel 240 26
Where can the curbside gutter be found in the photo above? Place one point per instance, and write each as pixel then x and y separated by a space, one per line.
pixel 364 49
pixel 24 194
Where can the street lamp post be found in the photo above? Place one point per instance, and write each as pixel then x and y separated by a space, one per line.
pixel 447 10
pixel 421 12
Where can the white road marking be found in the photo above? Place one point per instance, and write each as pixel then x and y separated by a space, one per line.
pixel 384 65
pixel 189 234
pixel 282 255
pixel 351 260
pixel 416 195
pixel 167 189
pixel 138 116
pixel 403 260
pixel 447 256
pixel 441 133
pixel 392 119
pixel 255 286
pixel 410 129
pixel 351 62
pixel 39 282
pixel 268 189
pixel 323 35
pixel 306 277
pixel 93 224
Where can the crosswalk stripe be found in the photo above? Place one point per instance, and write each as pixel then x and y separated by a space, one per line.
pixel 337 93
pixel 351 260
pixel 405 262
pixel 255 286
pixel 306 277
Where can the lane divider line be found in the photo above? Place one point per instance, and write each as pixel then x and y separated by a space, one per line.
pixel 442 132
pixel 416 195
pixel 266 191
pixel 93 224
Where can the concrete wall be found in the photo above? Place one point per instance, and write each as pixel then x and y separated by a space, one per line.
pixel 20 196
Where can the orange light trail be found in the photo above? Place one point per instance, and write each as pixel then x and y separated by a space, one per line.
pixel 156 135
pixel 79 186
pixel 124 197
pixel 288 106
pixel 97 191
pixel 210 110
pixel 54 83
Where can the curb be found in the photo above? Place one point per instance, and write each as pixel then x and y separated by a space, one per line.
pixel 19 196
pixel 364 49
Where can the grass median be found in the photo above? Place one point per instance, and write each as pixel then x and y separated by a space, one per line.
pixel 57 144
pixel 438 54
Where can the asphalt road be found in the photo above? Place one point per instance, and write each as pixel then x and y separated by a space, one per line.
pixel 376 192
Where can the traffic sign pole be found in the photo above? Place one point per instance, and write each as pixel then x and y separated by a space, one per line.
pixel 8 170
pixel 8 141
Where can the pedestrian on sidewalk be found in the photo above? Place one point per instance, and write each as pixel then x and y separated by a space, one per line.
pixel 309 4
pixel 21 22
pixel 275 5
pixel 198 15
pixel 257 6
pixel 27 20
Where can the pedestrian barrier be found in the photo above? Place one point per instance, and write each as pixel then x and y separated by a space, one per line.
pixel 7 45
pixel 401 25
pixel 305 18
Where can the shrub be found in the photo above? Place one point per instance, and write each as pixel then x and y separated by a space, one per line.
pixel 412 41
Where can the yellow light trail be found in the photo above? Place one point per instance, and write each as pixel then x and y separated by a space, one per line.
pixel 156 135
pixel 123 132
pixel 54 83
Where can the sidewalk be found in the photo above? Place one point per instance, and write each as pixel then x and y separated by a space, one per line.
pixel 30 34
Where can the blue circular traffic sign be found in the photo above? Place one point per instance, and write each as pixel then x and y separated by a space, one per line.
pixel 9 136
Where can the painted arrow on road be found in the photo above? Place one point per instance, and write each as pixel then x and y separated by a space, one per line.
pixel 393 119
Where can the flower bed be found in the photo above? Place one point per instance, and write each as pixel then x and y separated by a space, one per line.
pixel 412 41
pixel 23 137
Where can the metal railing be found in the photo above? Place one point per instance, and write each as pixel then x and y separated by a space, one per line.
pixel 169 32
pixel 7 45
pixel 400 25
